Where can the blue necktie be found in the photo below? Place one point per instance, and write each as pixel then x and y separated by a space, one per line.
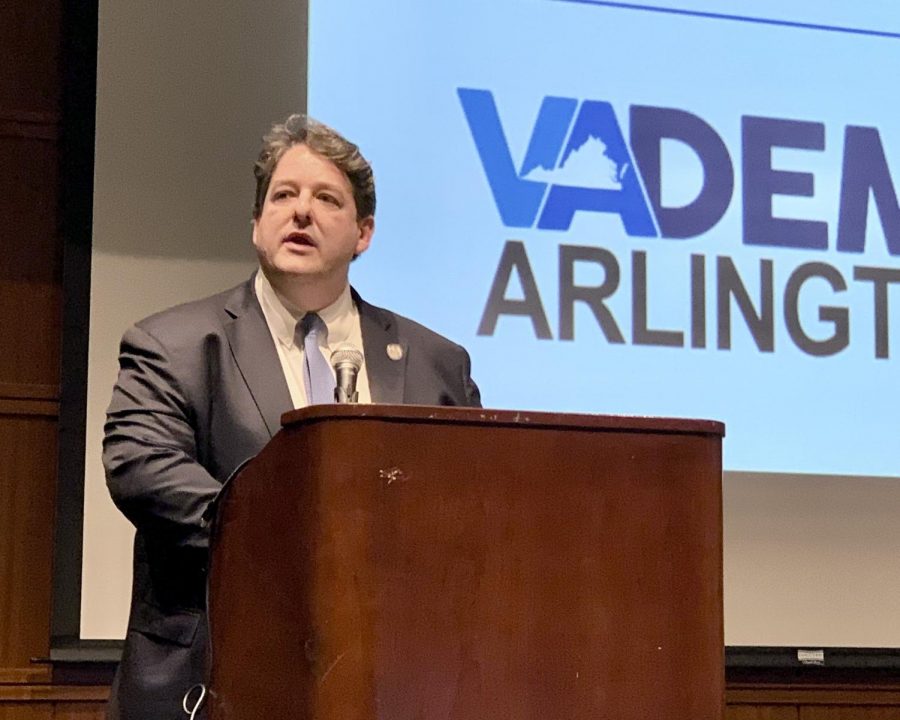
pixel 317 375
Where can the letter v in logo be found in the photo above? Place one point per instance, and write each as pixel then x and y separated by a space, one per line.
pixel 518 200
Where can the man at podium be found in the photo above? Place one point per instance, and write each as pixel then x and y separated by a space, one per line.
pixel 202 387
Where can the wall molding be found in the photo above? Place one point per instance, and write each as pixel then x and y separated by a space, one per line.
pixel 28 391
pixel 29 125
pixel 25 675
pixel 812 694
pixel 27 399
pixel 53 693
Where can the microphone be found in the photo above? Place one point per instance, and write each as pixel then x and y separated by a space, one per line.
pixel 346 361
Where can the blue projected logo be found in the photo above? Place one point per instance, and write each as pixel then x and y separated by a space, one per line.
pixel 574 161
pixel 577 160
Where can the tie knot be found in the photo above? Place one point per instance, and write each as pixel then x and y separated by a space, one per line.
pixel 313 325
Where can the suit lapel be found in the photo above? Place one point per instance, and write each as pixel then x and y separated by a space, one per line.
pixel 381 345
pixel 256 356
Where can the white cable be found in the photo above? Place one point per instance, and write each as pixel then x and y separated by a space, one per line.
pixel 184 701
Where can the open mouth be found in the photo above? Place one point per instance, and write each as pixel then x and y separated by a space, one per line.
pixel 299 240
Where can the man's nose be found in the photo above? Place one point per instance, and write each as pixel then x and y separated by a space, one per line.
pixel 301 211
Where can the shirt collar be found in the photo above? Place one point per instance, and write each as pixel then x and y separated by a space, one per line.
pixel 283 318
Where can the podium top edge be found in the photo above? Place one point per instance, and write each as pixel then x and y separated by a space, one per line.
pixel 486 416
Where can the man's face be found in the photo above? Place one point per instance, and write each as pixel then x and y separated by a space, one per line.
pixel 308 228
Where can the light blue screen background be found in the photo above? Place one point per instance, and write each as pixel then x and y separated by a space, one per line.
pixel 387 76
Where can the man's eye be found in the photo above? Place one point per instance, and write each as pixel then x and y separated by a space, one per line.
pixel 280 195
pixel 330 199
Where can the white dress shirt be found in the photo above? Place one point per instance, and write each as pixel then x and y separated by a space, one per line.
pixel 342 320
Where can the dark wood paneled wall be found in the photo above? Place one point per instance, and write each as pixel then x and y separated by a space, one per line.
pixel 32 67
pixel 812 701
pixel 30 315
pixel 31 88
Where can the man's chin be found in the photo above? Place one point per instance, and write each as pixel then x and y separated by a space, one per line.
pixel 304 275
pixel 297 268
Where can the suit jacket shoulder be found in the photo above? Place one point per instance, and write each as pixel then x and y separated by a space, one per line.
pixel 182 324
pixel 409 363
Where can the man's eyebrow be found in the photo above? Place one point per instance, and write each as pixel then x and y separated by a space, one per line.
pixel 283 181
pixel 317 185
pixel 326 185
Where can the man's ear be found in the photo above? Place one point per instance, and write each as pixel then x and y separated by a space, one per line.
pixel 366 230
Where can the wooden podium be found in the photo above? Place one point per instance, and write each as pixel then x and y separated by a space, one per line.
pixel 423 563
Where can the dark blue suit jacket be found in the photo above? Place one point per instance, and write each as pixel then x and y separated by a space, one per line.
pixel 200 390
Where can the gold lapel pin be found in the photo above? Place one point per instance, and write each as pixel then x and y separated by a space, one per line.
pixel 394 351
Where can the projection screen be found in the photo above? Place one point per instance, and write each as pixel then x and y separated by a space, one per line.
pixel 618 208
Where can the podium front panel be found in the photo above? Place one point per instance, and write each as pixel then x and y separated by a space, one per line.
pixel 426 563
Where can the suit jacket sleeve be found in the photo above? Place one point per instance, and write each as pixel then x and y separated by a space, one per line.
pixel 150 449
